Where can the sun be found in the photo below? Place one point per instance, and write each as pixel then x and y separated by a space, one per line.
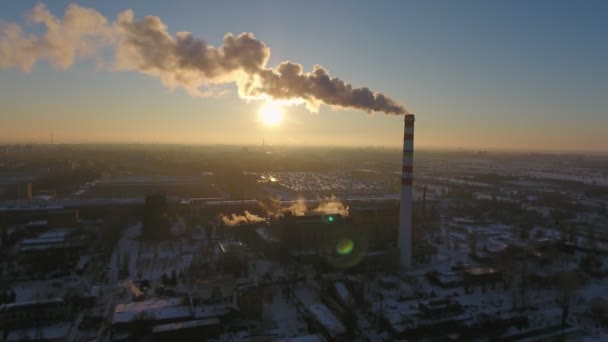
pixel 271 114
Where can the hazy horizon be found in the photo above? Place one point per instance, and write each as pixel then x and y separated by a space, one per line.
pixel 487 76
pixel 452 149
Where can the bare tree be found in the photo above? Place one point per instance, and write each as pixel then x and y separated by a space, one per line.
pixel 473 243
pixel 599 310
pixel 591 238
pixel 568 285
pixel 523 285
pixel 350 322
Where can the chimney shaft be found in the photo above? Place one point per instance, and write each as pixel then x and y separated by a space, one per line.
pixel 407 177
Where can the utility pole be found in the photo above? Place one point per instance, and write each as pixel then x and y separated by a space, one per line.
pixel 424 202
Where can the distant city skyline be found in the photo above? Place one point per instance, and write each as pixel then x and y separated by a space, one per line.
pixel 478 75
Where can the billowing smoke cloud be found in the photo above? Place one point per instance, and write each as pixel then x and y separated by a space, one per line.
pixel 272 207
pixel 181 60
pixel 331 205
pixel 327 205
pixel 247 218
pixel 82 33
pixel 299 208
pixel 275 209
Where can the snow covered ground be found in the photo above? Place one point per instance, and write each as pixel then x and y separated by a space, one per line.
pixel 55 332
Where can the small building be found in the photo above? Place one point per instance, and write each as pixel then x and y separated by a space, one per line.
pixel 435 308
pixel 32 313
pixel 424 253
pixel 481 276
pixel 52 250
pixel 202 329
pixel 37 226
pixel 151 312
pixel 445 280
pixel 167 317
pixel 345 291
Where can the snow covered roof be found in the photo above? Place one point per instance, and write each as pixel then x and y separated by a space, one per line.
pixel 324 316
pixel 38 223
pixel 139 179
pixel 477 271
pixel 29 205
pixel 265 234
pixel 27 304
pixel 60 204
pixel 41 241
pixel 185 325
pixel 307 338
pixel 50 240
pixel 211 311
pixel 494 246
pixel 343 293
pixel 158 309
pixel 95 290
pixel 367 171
pixel 41 247
pixel 231 246
pixel 54 236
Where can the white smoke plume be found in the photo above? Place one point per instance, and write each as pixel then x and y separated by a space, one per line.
pixel 134 290
pixel 327 205
pixel 275 209
pixel 246 218
pixel 179 60
pixel 299 208
pixel 331 205
pixel 272 207
pixel 82 33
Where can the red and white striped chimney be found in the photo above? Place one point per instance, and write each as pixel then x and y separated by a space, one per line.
pixel 407 177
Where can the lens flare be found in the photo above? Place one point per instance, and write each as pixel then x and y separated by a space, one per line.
pixel 271 113
pixel 345 246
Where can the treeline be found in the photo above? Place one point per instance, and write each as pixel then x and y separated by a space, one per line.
pixel 66 181
pixel 495 211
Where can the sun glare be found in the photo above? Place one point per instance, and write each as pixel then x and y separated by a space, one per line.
pixel 271 114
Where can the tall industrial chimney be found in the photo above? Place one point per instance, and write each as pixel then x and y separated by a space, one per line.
pixel 405 211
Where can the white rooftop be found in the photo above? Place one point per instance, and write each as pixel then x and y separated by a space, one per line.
pixel 159 309
pixel 327 318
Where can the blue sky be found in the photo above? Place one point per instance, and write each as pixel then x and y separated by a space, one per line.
pixel 526 75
